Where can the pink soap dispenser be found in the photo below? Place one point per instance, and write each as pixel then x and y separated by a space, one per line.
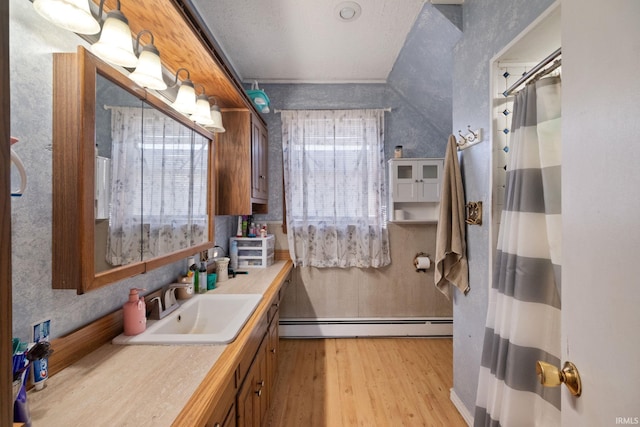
pixel 134 311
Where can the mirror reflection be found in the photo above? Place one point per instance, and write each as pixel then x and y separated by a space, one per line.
pixel 150 184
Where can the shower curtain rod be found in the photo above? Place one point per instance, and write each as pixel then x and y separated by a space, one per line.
pixel 533 71
pixel 388 109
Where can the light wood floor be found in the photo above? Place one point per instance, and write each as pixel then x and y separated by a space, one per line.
pixel 364 382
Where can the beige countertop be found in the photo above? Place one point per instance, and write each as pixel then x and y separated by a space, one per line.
pixel 136 385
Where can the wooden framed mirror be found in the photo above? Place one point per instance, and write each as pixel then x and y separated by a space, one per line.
pixel 132 178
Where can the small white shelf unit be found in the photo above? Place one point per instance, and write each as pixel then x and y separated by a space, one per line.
pixel 256 252
pixel 415 186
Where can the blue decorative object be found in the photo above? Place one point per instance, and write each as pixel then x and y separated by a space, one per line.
pixel 506 149
pixel 505 131
pixel 506 74
pixel 259 98
pixel 506 112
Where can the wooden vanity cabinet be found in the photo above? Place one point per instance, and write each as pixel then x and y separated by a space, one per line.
pixel 241 164
pixel 256 391
pixel 248 392
pixel 224 414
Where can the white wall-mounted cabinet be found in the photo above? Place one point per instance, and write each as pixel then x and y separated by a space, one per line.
pixel 415 186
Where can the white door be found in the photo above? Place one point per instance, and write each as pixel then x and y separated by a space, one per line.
pixel 601 210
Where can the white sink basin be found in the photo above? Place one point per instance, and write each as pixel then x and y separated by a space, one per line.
pixel 204 319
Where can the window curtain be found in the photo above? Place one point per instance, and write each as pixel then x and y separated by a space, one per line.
pixel 168 194
pixel 125 225
pixel 334 177
pixel 523 318
pixel 159 186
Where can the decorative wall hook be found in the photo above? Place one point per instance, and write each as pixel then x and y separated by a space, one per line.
pixel 470 138
pixel 474 213
pixel 473 135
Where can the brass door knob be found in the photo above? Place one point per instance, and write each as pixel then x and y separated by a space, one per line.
pixel 550 376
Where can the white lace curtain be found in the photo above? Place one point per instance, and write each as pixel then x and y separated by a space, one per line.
pixel 159 186
pixel 334 174
pixel 125 225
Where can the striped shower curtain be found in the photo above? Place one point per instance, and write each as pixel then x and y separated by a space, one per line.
pixel 523 318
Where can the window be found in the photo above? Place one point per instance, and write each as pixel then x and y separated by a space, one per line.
pixel 335 187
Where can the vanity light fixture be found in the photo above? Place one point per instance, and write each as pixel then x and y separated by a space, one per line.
pixel 148 72
pixel 186 99
pixel 72 15
pixel 115 45
pixel 216 117
pixel 202 115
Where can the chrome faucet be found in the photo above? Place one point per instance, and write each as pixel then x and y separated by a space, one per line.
pixel 155 311
pixel 170 293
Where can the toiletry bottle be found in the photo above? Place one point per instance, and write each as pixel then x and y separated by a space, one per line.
pixel 233 254
pixel 244 226
pixel 134 312
pixel 239 230
pixel 187 292
pixel 196 285
pixel 202 278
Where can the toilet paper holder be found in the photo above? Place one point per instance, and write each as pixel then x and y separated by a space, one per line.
pixel 415 261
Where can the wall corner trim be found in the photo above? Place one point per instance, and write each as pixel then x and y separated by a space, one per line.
pixel 464 412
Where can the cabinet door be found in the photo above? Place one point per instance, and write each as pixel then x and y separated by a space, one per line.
pixel 224 413
pixel 430 178
pixel 261 400
pixel 230 421
pixel 264 163
pixel 272 353
pixel 252 401
pixel 245 414
pixel 405 180
pixel 259 153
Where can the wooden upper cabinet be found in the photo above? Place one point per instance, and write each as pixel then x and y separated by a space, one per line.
pixel 241 164
pixel 104 126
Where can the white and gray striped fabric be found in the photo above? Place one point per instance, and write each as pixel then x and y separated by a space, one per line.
pixel 523 318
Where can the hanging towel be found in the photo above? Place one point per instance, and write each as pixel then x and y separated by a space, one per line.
pixel 451 251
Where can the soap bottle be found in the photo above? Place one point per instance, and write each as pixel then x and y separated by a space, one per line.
pixel 202 278
pixel 134 312
pixel 233 254
pixel 193 268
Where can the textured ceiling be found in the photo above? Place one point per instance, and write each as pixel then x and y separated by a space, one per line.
pixel 294 41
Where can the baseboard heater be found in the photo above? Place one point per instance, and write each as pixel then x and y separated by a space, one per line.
pixel 366 327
